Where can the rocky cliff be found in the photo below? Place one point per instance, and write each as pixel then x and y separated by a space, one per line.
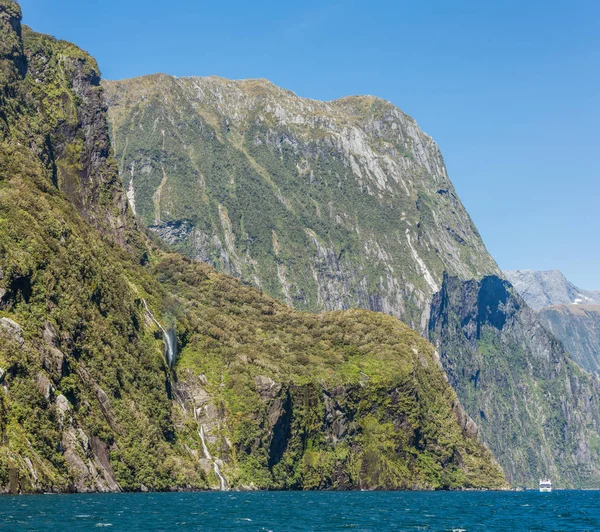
pixel 537 409
pixel 338 400
pixel 261 396
pixel 330 205
pixel 324 205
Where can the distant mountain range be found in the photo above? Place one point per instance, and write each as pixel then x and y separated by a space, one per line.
pixel 546 288
pixel 570 313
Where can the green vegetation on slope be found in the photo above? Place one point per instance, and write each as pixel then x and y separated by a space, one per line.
pixel 83 295
pixel 536 408
pixel 377 378
pixel 325 206
pixel 286 399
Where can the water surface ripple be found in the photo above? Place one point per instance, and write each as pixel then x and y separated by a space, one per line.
pixel 262 511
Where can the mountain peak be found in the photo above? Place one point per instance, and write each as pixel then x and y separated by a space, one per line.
pixel 307 199
pixel 550 287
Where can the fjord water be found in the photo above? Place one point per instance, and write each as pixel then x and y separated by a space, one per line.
pixel 262 511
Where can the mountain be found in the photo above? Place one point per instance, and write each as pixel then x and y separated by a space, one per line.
pixel 535 407
pixel 546 288
pixel 125 367
pixel 568 312
pixel 578 328
pixel 331 205
pixel 324 205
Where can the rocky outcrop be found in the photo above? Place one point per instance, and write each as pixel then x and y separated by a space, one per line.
pixel 85 456
pixel 536 409
pixel 310 436
pixel 325 205
pixel 13 330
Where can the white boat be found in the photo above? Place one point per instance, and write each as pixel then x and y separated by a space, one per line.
pixel 545 485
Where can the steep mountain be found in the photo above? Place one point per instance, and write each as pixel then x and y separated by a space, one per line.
pixel 325 206
pixel 330 205
pixel 578 328
pixel 568 312
pixel 535 407
pixel 250 393
pixel 546 288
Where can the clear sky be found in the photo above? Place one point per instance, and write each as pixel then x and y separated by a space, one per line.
pixel 509 89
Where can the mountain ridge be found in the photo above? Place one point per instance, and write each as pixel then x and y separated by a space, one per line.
pixel 260 397
pixel 567 311
pixel 578 328
pixel 338 172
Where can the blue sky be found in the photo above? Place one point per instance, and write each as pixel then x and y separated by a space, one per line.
pixel 509 90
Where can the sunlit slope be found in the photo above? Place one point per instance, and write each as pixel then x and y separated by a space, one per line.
pixel 324 205
pixel 266 396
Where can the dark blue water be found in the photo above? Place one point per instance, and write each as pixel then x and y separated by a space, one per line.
pixel 465 511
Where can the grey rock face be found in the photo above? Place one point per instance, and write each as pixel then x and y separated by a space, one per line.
pixel 83 165
pixel 536 409
pixel 12 329
pixel 173 232
pixel 544 288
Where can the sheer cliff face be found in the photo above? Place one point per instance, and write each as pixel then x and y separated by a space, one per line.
pixel 12 59
pixel 52 102
pixel 87 401
pixel 323 205
pixel 537 410
pixel 66 83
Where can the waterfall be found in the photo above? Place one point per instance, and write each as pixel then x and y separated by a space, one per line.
pixel 169 338
pixel 208 456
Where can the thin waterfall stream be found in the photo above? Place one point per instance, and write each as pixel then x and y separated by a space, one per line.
pixel 170 341
pixel 208 456
pixel 169 338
